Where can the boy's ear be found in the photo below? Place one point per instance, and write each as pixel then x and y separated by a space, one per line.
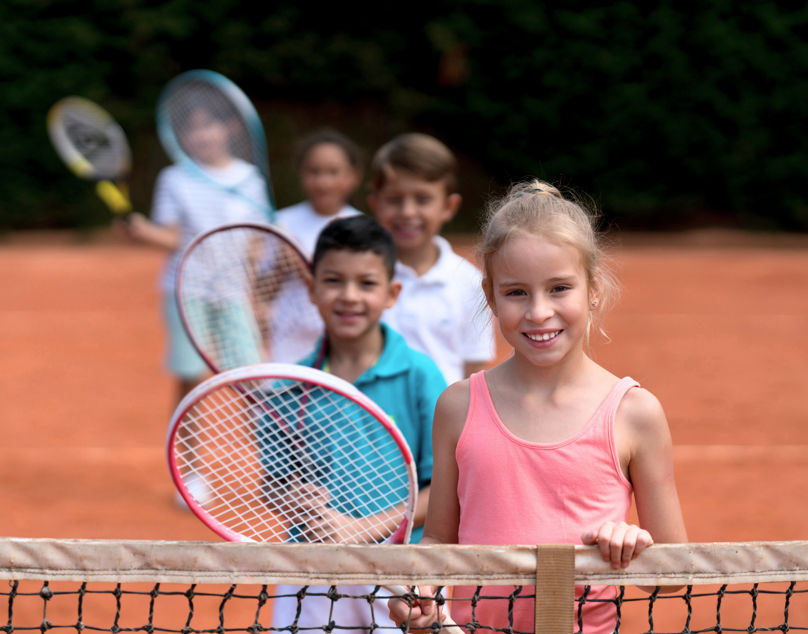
pixel 452 205
pixel 394 290
pixel 372 202
pixel 310 286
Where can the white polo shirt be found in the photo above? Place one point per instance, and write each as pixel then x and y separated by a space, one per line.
pixel 305 224
pixel 443 313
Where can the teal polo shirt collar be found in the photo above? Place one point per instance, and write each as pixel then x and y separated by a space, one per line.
pixel 393 360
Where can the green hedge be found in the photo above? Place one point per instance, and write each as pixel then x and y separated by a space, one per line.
pixel 668 117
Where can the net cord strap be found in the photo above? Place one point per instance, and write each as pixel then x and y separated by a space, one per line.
pixel 555 589
pixel 324 564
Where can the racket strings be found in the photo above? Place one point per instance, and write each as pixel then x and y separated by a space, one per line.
pixel 207 431
pixel 297 463
pixel 357 458
pixel 89 140
pixel 243 295
pixel 188 97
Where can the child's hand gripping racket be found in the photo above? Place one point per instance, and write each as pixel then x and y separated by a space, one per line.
pixel 203 119
pixel 288 453
pixel 94 148
pixel 242 292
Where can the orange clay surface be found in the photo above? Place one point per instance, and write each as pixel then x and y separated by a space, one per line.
pixel 715 324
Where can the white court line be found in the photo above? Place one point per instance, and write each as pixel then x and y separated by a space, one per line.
pixel 741 453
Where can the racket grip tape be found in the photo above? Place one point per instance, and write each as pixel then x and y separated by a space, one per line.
pixel 114 197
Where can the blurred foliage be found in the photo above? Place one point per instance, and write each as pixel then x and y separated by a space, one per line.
pixel 667 116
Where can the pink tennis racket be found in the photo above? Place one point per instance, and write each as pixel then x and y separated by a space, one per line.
pixel 242 292
pixel 282 452
pixel 287 453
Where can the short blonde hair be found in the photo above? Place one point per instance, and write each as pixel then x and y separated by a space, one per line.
pixel 538 208
pixel 418 154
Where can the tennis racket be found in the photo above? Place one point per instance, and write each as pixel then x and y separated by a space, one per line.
pixel 203 118
pixel 94 148
pixel 291 453
pixel 287 453
pixel 242 292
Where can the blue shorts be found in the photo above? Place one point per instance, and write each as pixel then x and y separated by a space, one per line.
pixel 182 359
pixel 229 327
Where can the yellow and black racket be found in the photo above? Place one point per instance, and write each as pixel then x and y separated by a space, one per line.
pixel 94 147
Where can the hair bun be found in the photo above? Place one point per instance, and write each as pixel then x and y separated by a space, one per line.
pixel 537 188
pixel 545 189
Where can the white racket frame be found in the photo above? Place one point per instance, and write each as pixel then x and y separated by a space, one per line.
pixel 110 183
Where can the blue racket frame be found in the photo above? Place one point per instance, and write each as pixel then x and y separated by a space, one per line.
pixel 245 109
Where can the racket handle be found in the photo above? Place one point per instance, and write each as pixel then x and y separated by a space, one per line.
pixel 115 198
pixel 449 626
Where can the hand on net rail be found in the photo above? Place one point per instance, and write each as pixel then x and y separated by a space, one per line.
pixel 618 542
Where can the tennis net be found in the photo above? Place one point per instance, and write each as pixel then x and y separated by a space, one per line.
pixel 217 588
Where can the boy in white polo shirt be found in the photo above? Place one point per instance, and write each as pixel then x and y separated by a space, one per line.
pixel 440 310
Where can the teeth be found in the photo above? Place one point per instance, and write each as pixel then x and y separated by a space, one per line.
pixel 545 337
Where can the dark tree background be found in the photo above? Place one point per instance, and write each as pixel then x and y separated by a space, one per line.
pixel 667 116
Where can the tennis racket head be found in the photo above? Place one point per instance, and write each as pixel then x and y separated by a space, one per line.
pixel 283 451
pixel 242 293
pixel 189 105
pixel 93 146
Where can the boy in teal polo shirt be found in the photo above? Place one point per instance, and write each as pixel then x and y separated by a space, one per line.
pixel 353 267
pixel 404 383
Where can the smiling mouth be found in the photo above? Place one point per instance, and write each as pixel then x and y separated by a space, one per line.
pixel 407 229
pixel 544 336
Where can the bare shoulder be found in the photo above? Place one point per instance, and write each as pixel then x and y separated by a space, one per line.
pixel 452 407
pixel 455 399
pixel 642 413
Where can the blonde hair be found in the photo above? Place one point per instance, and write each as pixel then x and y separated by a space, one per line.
pixel 418 154
pixel 537 208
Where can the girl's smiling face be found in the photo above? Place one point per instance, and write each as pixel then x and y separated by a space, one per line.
pixel 541 297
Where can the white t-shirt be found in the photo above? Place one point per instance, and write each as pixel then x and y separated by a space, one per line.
pixel 305 224
pixel 443 313
pixel 196 205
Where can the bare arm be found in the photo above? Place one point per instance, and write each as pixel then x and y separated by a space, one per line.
pixel 141 229
pixel 644 444
pixel 443 512
pixel 650 467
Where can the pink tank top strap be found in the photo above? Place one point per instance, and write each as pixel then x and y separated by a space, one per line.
pixel 480 397
pixel 477 385
pixel 609 405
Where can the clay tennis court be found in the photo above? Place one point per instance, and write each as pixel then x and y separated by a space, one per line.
pixel 715 324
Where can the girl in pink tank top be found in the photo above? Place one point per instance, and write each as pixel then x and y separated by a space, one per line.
pixel 548 446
